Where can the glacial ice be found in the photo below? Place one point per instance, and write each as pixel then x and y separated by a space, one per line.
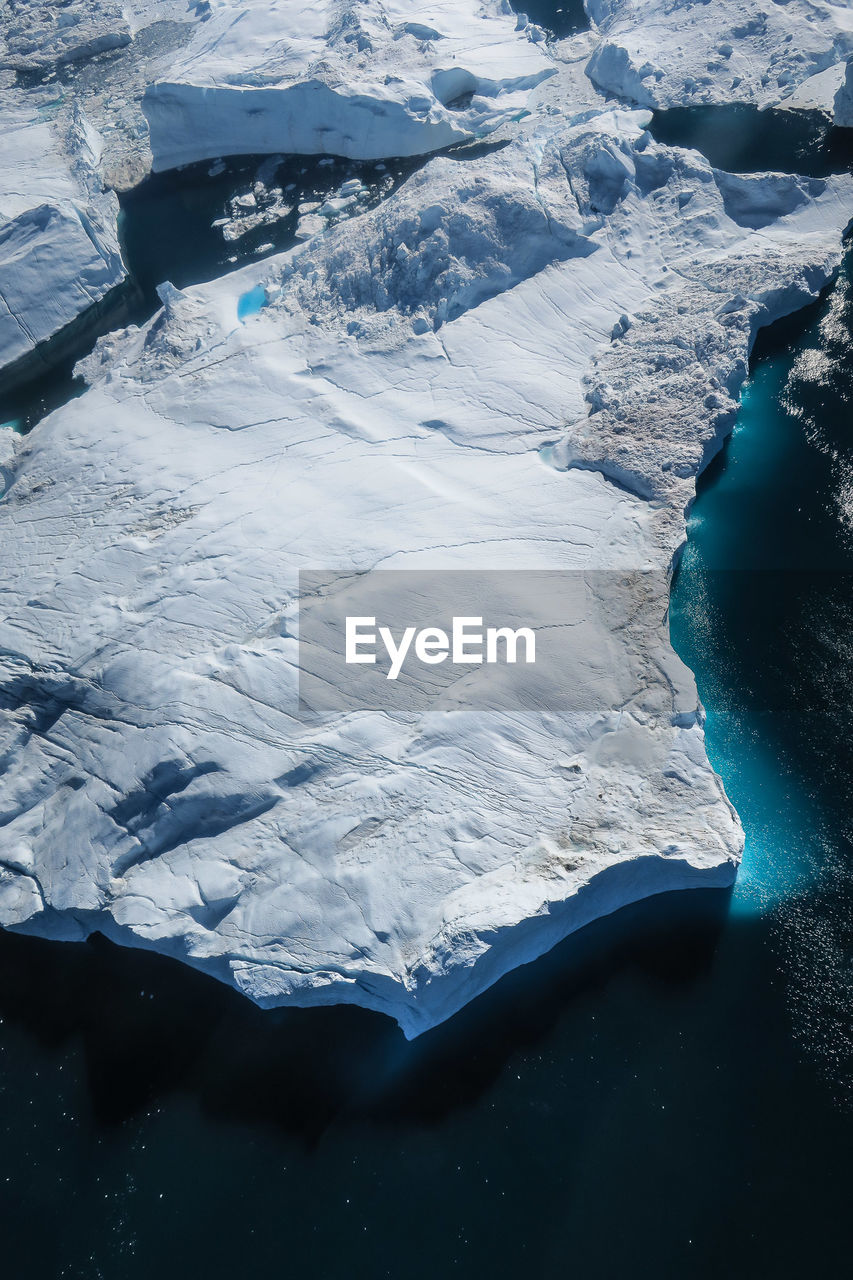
pixel 520 360
pixel 59 252
pixel 361 80
pixel 59 248
pixel 665 53
pixel 357 80
pixel 38 37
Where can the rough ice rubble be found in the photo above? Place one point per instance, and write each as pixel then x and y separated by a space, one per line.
pixel 262 206
pixel 456 369
pixel 366 80
pixel 668 53
pixel 38 37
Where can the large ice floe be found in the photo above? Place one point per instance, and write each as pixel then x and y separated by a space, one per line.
pixel 357 79
pixel 665 53
pixel 515 364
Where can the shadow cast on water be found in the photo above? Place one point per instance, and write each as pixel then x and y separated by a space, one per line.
pixel 150 1026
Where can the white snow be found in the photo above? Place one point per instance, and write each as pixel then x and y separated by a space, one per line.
pixel 817 93
pixel 59 251
pixel 518 362
pixel 843 100
pixel 667 53
pixel 366 80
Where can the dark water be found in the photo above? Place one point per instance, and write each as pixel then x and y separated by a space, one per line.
pixel 635 1104
pixel 742 139
pixel 560 18
pixel 33 399
pixel 667 1094
pixel 166 223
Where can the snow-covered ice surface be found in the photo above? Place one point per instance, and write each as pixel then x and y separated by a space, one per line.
pixel 666 53
pixel 72 130
pixel 365 80
pixel 59 251
pixel 519 361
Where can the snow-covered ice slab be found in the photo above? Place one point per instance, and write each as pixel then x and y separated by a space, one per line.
pixel 59 252
pixel 517 365
pixel 668 53
pixel 451 381
pixel 364 80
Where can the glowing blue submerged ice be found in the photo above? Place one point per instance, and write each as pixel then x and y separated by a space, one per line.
pixel 251 302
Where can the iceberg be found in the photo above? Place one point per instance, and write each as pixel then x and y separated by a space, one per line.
pixel 843 100
pixel 517 363
pixel 360 80
pixel 70 81
pixel 681 54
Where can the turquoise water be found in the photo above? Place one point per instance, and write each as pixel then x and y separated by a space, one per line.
pixel 762 610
